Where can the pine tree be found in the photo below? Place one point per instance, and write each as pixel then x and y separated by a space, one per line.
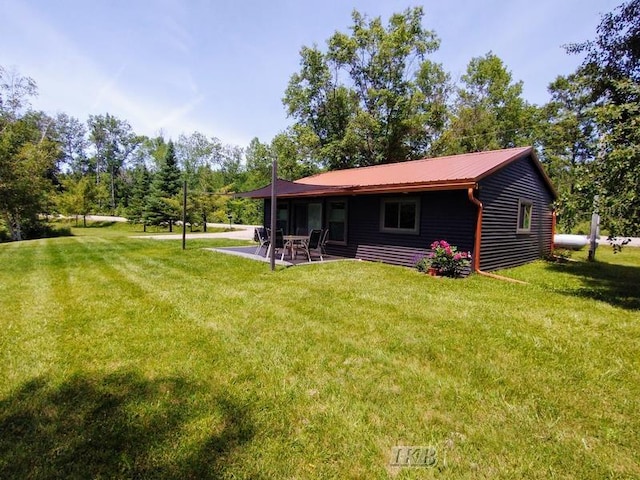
pixel 162 203
pixel 139 193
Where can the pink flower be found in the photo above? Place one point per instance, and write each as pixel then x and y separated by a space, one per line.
pixel 457 256
pixel 434 245
pixel 444 244
pixel 448 250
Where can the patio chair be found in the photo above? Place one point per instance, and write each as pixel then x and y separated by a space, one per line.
pixel 260 236
pixel 313 244
pixel 323 242
pixel 279 242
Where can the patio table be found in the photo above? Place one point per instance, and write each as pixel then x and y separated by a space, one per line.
pixel 290 241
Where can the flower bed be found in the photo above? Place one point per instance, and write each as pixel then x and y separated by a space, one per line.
pixel 445 260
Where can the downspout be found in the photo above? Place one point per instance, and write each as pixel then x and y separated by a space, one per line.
pixel 478 241
pixel 553 230
pixel 478 236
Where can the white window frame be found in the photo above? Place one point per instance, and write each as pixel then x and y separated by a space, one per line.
pixel 400 200
pixel 522 209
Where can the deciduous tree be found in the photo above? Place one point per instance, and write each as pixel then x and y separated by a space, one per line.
pixel 489 112
pixel 28 155
pixel 71 134
pixel 373 97
pixel 612 70
pixel 78 197
pixel 27 158
pixel 113 141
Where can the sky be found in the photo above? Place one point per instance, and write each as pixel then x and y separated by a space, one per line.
pixel 221 67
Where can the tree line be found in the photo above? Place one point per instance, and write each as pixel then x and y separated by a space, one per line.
pixel 372 95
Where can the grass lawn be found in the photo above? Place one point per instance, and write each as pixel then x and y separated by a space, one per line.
pixel 112 228
pixel 129 358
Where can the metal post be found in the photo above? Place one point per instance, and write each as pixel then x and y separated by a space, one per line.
pixel 184 215
pixel 272 237
pixel 595 230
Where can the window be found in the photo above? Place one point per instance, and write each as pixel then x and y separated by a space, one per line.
pixel 314 217
pixel 282 217
pixel 306 217
pixel 337 221
pixel 524 216
pixel 400 215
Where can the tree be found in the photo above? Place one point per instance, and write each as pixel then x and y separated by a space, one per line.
pixel 28 155
pixel 195 152
pixel 78 197
pixel 140 189
pixel 15 92
pixel 611 69
pixel 232 172
pixel 569 142
pixel 27 158
pixel 294 150
pixel 113 141
pixel 162 204
pixel 489 112
pixel 71 134
pixel 373 97
pixel 258 160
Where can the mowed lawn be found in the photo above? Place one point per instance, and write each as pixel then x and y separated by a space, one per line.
pixel 130 358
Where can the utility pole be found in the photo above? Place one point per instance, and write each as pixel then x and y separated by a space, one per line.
pixel 595 229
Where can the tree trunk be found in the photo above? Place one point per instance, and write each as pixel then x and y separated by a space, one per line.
pixel 84 221
pixel 15 226
pixel 113 192
pixel 170 226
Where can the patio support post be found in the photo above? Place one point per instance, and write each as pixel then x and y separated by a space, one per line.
pixel 272 237
pixel 184 215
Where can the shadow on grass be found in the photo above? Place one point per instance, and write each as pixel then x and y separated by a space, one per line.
pixel 97 224
pixel 618 285
pixel 116 426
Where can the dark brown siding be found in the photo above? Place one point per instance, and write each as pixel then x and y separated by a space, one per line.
pixel 501 246
pixel 446 215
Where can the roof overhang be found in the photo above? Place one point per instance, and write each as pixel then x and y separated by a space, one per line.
pixel 300 190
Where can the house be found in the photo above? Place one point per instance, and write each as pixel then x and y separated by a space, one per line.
pixel 497 204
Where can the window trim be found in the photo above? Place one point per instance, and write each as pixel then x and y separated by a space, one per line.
pixel 523 202
pixel 400 200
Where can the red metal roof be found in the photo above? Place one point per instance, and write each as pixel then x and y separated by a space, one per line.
pixel 440 173
pixel 466 168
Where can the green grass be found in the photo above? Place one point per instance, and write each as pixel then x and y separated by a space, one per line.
pixel 129 358
pixel 112 228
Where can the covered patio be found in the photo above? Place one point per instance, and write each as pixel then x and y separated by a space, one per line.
pixel 300 259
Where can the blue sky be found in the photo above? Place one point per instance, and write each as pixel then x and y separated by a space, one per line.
pixel 221 67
